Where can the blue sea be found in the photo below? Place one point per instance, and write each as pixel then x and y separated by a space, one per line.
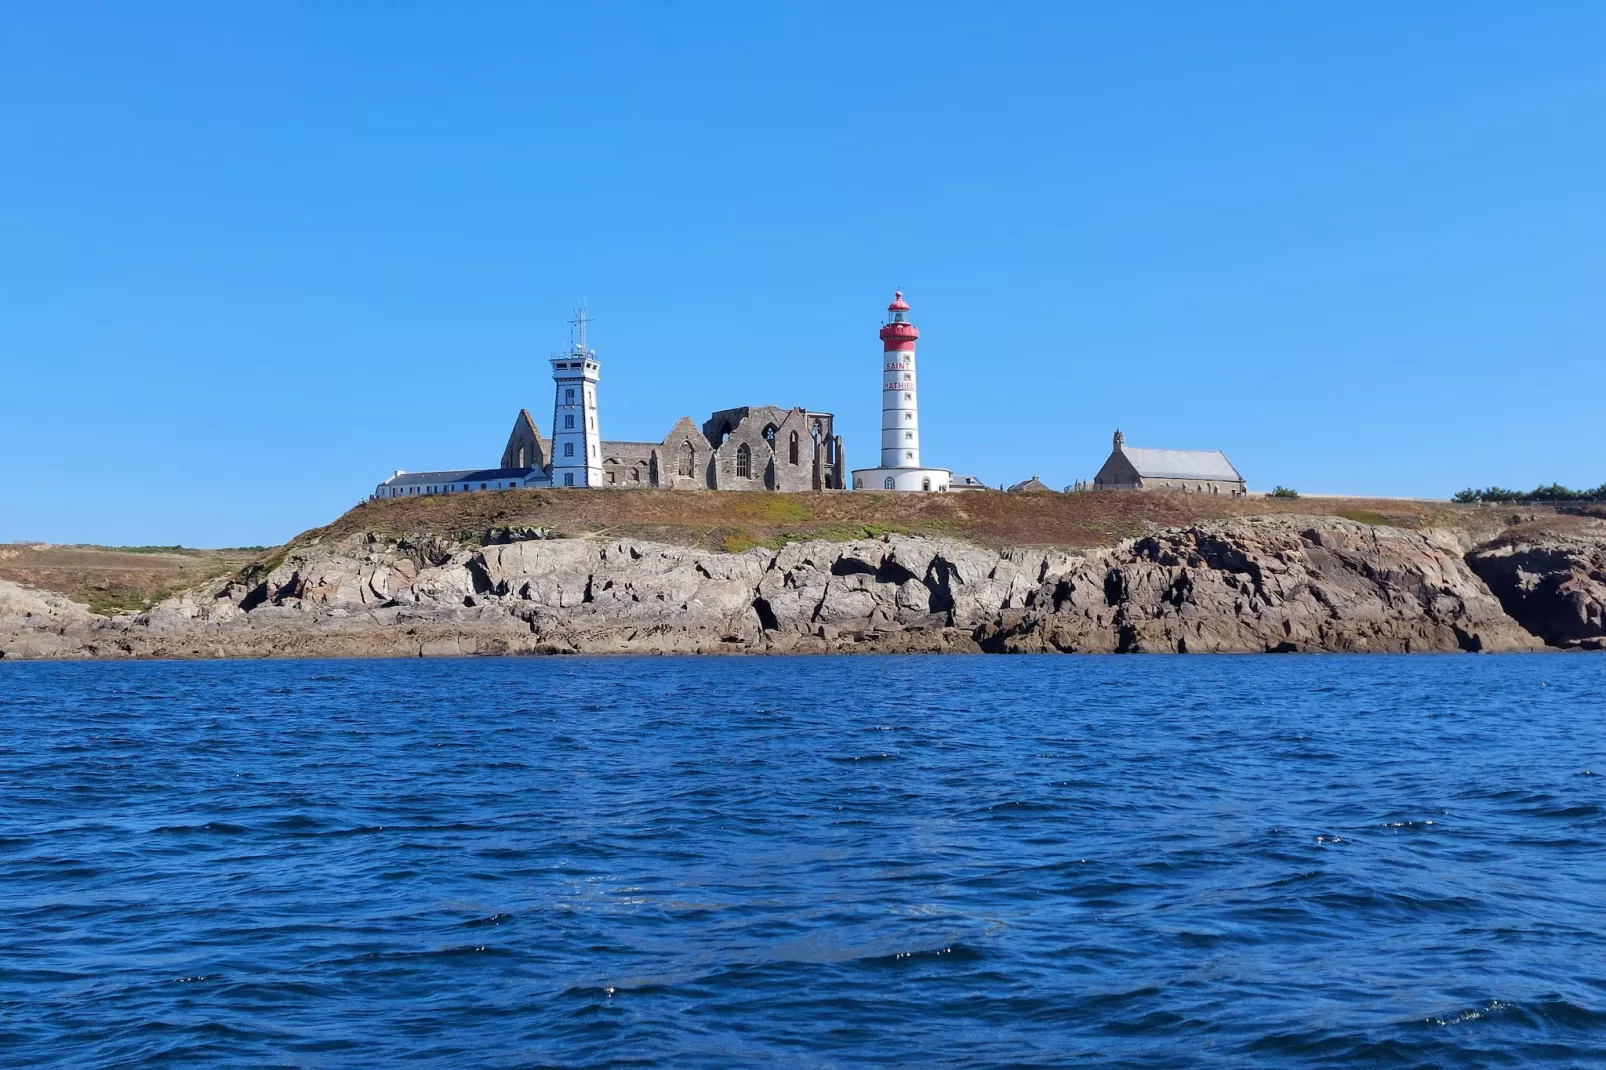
pixel 809 862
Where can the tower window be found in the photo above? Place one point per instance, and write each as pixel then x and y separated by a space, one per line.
pixel 908 455
pixel 908 416
pixel 910 435
pixel 568 422
pixel 744 461
pixel 568 396
pixel 908 377
pixel 568 479
pixel 908 397
pixel 568 449
pixel 792 449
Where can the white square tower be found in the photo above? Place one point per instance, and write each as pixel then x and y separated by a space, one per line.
pixel 576 443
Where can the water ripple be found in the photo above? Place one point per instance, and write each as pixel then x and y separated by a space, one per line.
pixel 1140 862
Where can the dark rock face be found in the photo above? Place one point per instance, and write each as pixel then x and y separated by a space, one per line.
pixel 1275 585
pixel 1556 590
pixel 1251 585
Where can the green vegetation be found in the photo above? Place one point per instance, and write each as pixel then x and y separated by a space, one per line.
pixel 108 601
pixel 1555 492
pixel 1363 516
pixel 1281 491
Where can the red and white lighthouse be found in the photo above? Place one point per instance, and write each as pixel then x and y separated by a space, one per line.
pixel 900 399
pixel 900 412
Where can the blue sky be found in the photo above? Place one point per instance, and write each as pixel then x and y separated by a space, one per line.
pixel 254 257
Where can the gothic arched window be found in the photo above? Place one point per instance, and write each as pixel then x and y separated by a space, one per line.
pixel 769 434
pixel 744 461
pixel 688 459
pixel 792 449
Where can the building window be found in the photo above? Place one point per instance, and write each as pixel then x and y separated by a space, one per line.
pixel 635 475
pixel 568 423
pixel 909 435
pixel 908 377
pixel 908 455
pixel 891 484
pixel 792 448
pixel 610 477
pixel 482 486
pixel 925 484
pixel 568 449
pixel 568 397
pixel 568 479
pixel 908 397
pixel 744 461
pixel 858 484
pixel 908 416
pixel 769 434
pixel 688 459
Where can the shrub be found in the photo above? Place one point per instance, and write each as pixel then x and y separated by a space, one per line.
pixel 1555 492
pixel 1281 491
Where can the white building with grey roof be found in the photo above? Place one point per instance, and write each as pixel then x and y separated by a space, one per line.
pixel 1197 471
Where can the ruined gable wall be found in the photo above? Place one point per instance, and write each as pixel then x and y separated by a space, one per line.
pixel 748 433
pixel 524 436
pixel 670 453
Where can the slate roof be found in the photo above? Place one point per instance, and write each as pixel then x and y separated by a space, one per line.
pixel 463 475
pixel 1181 464
pixel 957 480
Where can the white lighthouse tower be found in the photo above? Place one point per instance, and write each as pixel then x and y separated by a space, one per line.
pixel 576 445
pixel 900 412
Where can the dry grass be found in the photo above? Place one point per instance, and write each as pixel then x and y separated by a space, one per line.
pixel 737 520
pixel 111 580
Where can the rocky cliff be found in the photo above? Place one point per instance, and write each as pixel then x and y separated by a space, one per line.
pixel 1555 589
pixel 1253 584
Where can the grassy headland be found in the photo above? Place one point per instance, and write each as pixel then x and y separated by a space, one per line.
pixel 113 579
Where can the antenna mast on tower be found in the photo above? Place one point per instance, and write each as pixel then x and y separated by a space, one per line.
pixel 579 323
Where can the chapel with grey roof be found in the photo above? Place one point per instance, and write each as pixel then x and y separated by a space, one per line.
pixel 1197 471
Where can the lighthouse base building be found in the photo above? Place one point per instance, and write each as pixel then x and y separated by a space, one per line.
pixel 900 413
pixel 928 479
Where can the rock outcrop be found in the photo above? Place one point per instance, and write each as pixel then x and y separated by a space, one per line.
pixel 1555 589
pixel 37 624
pixel 1271 583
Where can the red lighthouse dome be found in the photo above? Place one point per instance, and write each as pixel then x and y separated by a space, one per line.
pixel 898 333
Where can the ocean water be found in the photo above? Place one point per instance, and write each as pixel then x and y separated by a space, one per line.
pixel 966 861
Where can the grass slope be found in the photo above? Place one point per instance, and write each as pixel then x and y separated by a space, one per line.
pixel 113 579
pixel 736 520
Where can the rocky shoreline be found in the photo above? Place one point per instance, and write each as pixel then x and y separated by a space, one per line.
pixel 1245 585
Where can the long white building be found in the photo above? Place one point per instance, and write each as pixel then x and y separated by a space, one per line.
pixel 900 413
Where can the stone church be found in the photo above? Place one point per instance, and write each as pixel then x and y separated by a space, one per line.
pixel 1198 471
pixel 758 447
